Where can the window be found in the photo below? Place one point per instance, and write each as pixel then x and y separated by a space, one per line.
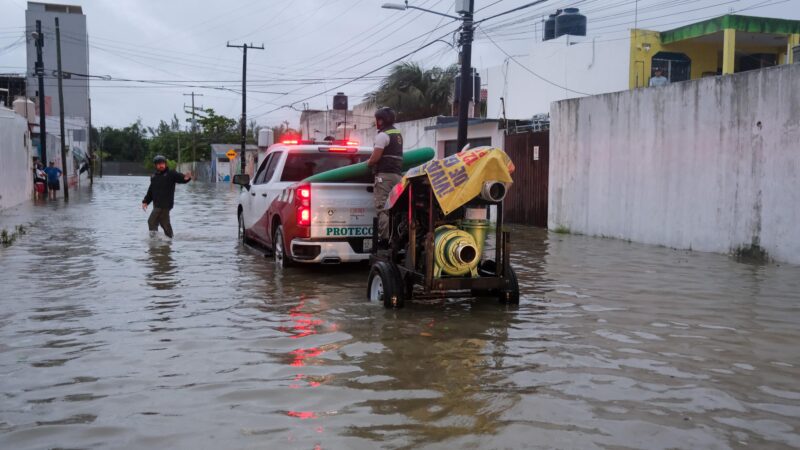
pixel 451 147
pixel 273 163
pixel 300 166
pixel 262 172
pixel 676 66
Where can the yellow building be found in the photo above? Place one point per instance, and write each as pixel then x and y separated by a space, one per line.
pixel 718 46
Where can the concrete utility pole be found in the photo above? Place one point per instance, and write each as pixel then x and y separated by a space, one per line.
pixel 194 132
pixel 39 70
pixel 61 114
pixel 467 84
pixel 244 98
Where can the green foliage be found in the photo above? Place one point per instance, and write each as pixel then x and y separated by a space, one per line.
pixel 218 128
pixel 416 93
pixel 561 229
pixel 126 144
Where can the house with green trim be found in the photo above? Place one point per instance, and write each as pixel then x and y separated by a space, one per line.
pixel 719 46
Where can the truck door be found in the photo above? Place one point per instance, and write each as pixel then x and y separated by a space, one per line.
pixel 260 197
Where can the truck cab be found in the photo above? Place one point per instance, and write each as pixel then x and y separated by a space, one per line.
pixel 301 222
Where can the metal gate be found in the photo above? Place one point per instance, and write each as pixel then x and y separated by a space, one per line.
pixel 526 202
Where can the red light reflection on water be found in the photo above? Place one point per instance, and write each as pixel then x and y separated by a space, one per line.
pixel 302 414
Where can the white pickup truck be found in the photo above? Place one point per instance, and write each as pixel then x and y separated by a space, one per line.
pixel 307 222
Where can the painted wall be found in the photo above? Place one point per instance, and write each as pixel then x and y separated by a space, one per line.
pixel 710 165
pixel 591 66
pixel 16 169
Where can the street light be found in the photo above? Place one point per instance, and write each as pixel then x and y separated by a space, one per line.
pixel 403 7
pixel 465 8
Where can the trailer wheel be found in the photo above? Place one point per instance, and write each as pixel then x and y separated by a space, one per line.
pixel 386 285
pixel 510 295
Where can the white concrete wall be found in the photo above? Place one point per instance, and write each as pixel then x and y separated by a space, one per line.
pixel 16 159
pixel 592 66
pixel 415 134
pixel 710 165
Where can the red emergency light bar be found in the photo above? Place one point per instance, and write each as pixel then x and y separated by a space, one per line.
pixel 339 149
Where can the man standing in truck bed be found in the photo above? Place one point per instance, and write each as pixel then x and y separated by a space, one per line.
pixel 386 162
pixel 162 193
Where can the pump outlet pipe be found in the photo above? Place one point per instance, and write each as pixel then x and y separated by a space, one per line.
pixel 455 252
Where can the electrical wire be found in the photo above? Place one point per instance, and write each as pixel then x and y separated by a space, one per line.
pixel 527 69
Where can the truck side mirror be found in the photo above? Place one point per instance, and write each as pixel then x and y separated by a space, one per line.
pixel 242 179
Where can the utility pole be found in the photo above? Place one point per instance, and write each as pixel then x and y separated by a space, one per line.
pixel 102 146
pixel 467 84
pixel 61 114
pixel 179 149
pixel 39 70
pixel 89 148
pixel 244 98
pixel 194 132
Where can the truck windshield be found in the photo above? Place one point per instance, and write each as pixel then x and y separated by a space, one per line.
pixel 300 166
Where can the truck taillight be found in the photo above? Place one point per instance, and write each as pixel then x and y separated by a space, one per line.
pixel 302 201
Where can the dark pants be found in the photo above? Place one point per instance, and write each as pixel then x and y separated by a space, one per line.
pixel 160 216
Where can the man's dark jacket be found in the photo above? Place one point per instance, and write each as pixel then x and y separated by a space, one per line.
pixel 162 188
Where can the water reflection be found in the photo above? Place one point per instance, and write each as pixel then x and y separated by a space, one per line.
pixel 163 274
pixel 108 338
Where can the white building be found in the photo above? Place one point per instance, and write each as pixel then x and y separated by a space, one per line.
pixel 557 69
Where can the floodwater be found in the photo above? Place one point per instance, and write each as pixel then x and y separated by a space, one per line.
pixel 111 340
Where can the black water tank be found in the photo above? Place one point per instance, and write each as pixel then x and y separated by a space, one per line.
pixel 550 27
pixel 340 101
pixel 571 22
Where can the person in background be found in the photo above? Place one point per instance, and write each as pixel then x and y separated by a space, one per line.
pixel 53 175
pixel 39 178
pixel 658 79
pixel 162 193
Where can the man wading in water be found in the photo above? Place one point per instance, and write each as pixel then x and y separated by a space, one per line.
pixel 162 193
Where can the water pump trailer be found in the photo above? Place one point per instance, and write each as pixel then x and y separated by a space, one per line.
pixel 439 221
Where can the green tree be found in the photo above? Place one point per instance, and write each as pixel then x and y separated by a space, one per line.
pixel 124 144
pixel 415 93
pixel 217 128
pixel 165 139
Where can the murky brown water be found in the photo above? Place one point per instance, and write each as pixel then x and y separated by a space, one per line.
pixel 108 340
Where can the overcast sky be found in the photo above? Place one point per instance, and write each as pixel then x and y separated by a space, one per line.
pixel 311 46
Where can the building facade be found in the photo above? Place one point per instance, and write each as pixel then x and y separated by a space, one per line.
pixel 74 58
pixel 573 66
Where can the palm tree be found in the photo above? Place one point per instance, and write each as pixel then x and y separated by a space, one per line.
pixel 415 93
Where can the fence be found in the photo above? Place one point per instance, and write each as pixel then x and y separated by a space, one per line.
pixel 527 200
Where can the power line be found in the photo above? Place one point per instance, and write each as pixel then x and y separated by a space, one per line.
pixel 357 78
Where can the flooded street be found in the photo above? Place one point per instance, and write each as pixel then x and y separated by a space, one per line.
pixel 109 339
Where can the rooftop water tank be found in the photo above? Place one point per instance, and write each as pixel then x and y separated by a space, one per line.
pixel 550 27
pixel 265 137
pixel 25 108
pixel 571 22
